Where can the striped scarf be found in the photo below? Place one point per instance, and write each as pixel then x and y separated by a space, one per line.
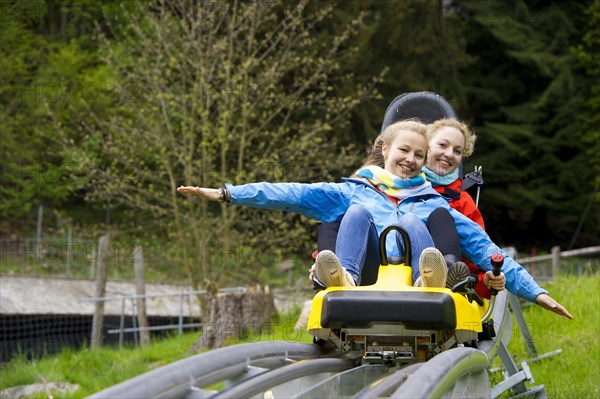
pixel 391 184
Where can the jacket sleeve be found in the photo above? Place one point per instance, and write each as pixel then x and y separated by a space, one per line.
pixel 326 202
pixel 477 246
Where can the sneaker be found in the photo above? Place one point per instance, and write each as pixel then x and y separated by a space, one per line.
pixel 317 285
pixel 450 260
pixel 330 272
pixel 432 267
pixel 457 273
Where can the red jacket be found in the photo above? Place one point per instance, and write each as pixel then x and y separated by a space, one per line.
pixel 463 202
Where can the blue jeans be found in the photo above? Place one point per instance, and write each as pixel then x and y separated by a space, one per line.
pixel 357 244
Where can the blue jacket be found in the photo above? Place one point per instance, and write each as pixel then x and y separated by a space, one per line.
pixel 328 202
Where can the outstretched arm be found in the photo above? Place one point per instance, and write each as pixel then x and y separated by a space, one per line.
pixel 326 202
pixel 545 301
pixel 478 247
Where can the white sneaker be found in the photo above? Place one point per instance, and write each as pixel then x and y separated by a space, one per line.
pixel 330 272
pixel 432 267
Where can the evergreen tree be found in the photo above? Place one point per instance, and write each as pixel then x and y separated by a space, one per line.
pixel 50 74
pixel 532 149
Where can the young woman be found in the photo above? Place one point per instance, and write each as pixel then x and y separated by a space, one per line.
pixel 449 141
pixel 377 198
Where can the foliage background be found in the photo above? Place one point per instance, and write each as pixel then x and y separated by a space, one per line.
pixel 106 107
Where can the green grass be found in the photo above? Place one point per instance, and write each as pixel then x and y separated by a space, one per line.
pixel 97 369
pixel 576 371
pixel 572 374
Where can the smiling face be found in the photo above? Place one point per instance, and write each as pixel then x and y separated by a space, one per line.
pixel 446 148
pixel 405 156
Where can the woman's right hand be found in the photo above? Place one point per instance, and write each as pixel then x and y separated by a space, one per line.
pixel 212 194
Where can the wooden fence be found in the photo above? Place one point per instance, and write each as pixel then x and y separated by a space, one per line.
pixel 546 267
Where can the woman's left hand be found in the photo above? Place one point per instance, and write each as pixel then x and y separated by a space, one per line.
pixel 545 301
pixel 496 282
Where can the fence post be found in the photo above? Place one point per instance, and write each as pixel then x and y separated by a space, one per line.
pixel 38 234
pixel 140 289
pixel 69 250
pixel 555 261
pixel 98 320
pixel 93 263
pixel 122 322
pixel 180 321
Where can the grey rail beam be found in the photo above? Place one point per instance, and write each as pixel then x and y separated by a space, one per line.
pixel 270 379
pixel 441 372
pixel 386 385
pixel 176 379
pixel 342 385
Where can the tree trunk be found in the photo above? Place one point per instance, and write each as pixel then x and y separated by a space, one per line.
pixel 232 316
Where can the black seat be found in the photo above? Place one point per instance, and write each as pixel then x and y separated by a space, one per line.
pixel 362 309
pixel 425 106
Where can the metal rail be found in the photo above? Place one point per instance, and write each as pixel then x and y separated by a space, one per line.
pixel 388 384
pixel 177 379
pixel 341 385
pixel 441 373
pixel 269 379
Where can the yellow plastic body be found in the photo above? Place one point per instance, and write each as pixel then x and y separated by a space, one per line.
pixel 399 278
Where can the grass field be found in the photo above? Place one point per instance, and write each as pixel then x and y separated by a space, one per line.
pixel 573 374
pixel 576 371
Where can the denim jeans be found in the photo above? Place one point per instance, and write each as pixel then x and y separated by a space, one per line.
pixel 357 244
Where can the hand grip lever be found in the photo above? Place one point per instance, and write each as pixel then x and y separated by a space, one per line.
pixel 497 262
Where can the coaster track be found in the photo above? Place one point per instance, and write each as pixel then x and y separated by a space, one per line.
pixel 288 369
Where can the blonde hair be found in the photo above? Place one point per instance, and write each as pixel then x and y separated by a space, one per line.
pixel 375 153
pixel 468 135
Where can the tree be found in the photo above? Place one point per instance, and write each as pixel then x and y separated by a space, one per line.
pixel 588 57
pixel 423 47
pixel 32 171
pixel 214 92
pixel 532 149
pixel 47 66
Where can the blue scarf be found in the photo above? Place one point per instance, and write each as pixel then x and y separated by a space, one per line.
pixel 438 180
pixel 391 184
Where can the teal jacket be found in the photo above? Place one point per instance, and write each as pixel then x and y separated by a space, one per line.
pixel 328 202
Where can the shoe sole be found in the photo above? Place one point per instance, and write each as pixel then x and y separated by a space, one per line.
pixel 433 268
pixel 328 269
pixel 458 273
